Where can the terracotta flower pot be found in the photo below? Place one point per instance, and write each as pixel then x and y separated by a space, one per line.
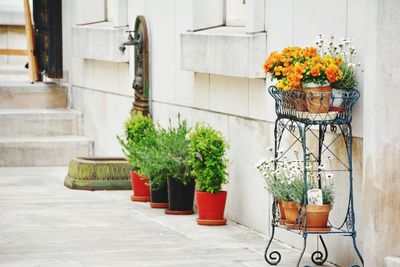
pixel 291 211
pixel 281 210
pixel 318 98
pixel 140 188
pixel 301 104
pixel 211 208
pixel 317 215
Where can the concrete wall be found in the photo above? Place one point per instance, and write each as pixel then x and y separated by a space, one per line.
pixel 382 131
pixel 240 107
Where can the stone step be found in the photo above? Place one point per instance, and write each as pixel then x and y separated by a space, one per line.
pixel 37 95
pixel 40 122
pixel 13 69
pixel 13 73
pixel 43 151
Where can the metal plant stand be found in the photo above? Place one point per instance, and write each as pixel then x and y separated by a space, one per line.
pixel 300 126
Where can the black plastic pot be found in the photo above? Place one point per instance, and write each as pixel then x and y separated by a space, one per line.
pixel 180 197
pixel 159 197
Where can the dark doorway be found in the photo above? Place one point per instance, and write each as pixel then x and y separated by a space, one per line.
pixel 48 37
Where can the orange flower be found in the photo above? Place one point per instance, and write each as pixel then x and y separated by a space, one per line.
pixel 316 70
pixel 295 65
pixel 278 70
pixel 333 73
pixel 310 52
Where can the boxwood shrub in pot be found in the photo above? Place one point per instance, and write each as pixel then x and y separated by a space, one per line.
pixel 136 127
pixel 209 163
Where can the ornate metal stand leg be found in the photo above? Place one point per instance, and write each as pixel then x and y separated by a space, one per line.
pixel 304 249
pixel 274 257
pixel 356 249
pixel 319 257
pixel 347 135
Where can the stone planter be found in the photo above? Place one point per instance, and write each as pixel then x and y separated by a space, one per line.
pixel 98 174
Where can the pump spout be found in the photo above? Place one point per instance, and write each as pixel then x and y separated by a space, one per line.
pixel 131 41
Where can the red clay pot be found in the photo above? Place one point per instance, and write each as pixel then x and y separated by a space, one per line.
pixel 211 208
pixel 317 215
pixel 291 211
pixel 318 98
pixel 281 210
pixel 140 188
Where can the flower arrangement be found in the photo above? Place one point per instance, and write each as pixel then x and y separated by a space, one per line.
pixel 345 51
pixel 280 181
pixel 296 66
pixel 284 179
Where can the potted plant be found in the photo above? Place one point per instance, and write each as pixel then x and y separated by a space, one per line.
pixel 317 214
pixel 304 69
pixel 152 165
pixel 349 79
pixel 316 202
pixel 209 164
pixel 174 144
pixel 136 127
pixel 281 177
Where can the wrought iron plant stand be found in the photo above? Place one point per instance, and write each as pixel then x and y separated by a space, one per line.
pixel 300 126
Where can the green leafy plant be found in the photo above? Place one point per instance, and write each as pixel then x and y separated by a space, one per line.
pixel 152 158
pixel 207 158
pixel 165 154
pixel 349 80
pixel 285 179
pixel 284 182
pixel 136 128
pixel 328 194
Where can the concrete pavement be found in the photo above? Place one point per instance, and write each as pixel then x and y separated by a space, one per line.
pixel 43 223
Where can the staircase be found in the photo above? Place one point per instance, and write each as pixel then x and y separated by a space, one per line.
pixel 36 126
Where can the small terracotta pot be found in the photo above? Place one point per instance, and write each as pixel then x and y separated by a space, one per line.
pixel 211 208
pixel 140 188
pixel 281 210
pixel 318 98
pixel 317 215
pixel 291 211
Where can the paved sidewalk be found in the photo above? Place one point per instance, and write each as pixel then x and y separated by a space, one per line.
pixel 43 223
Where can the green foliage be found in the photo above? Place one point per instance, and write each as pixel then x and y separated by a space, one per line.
pixel 151 158
pixel 328 194
pixel 136 128
pixel 207 158
pixel 286 182
pixel 175 143
pixel 297 191
pixel 349 80
pixel 165 154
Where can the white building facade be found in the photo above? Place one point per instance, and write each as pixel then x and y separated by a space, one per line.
pixel 206 61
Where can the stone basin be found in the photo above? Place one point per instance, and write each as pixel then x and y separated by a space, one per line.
pixel 98 173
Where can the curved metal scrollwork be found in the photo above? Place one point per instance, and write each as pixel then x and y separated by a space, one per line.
pixel 349 220
pixel 273 258
pixel 319 257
